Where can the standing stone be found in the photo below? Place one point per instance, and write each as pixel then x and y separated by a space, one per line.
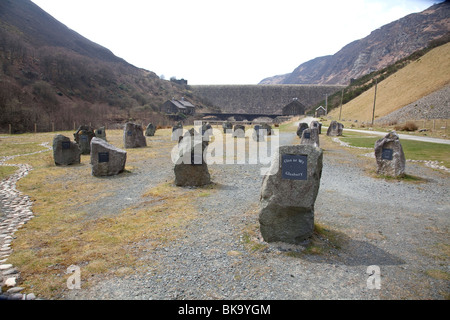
pixel 389 156
pixel 83 138
pixel 177 131
pixel 190 168
pixel 106 159
pixel 239 131
pixel 267 127
pixel 65 152
pixel 100 133
pixel 133 136
pixel 301 127
pixel 227 126
pixel 317 125
pixel 288 193
pixel 258 133
pixel 335 129
pixel 150 130
pixel 311 137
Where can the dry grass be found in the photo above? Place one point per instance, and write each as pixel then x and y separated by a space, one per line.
pixel 61 235
pixel 418 79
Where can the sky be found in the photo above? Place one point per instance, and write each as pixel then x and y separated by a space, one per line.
pixel 226 41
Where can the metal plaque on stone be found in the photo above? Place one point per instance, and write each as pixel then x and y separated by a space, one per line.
pixel 294 166
pixel 65 145
pixel 386 154
pixel 307 135
pixel 103 157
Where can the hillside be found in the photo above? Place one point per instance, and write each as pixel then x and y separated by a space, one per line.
pixel 51 74
pixel 381 48
pixel 420 78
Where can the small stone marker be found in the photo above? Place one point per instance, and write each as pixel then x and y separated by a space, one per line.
pixel 335 129
pixel 301 127
pixel 239 131
pixel 311 137
pixel 133 136
pixel 258 133
pixel 177 131
pixel 83 137
pixel 150 130
pixel 267 127
pixel 390 156
pixel 65 152
pixel 288 194
pixel 227 126
pixel 100 133
pixel 106 160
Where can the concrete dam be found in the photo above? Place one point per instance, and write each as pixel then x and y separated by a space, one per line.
pixel 262 99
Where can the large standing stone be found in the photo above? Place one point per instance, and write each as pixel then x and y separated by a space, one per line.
pixel 335 129
pixel 288 194
pixel 133 136
pixel 101 133
pixel 301 127
pixel 389 156
pixel 150 130
pixel 190 168
pixel 65 152
pixel 311 137
pixel 106 159
pixel 83 138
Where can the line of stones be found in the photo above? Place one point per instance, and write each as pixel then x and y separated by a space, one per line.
pixel 17 211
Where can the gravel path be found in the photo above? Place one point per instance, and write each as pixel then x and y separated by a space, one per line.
pixel 400 226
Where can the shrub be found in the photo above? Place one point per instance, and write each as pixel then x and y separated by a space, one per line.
pixel 408 126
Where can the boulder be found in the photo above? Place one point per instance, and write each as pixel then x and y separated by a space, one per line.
pixel 389 156
pixel 150 130
pixel 133 136
pixel 65 152
pixel 83 137
pixel 310 137
pixel 106 159
pixel 335 129
pixel 288 193
pixel 190 168
pixel 301 127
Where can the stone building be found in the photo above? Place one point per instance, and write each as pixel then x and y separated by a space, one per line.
pixel 294 108
pixel 178 106
pixel 320 112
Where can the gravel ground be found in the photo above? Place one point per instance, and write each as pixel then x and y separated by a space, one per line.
pixel 402 227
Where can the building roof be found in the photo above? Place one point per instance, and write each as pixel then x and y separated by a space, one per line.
pixel 182 104
pixel 320 108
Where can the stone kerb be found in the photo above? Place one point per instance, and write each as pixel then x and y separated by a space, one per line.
pixel 106 159
pixel 65 152
pixel 288 193
pixel 133 136
pixel 335 129
pixel 83 137
pixel 310 137
pixel 389 156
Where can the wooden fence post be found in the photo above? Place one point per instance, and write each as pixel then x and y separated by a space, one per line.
pixel 35 127
pixel 10 129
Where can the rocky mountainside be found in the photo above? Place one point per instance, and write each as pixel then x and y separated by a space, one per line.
pixel 381 48
pixel 51 74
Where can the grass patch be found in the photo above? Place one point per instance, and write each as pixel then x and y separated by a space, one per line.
pixel 438 274
pixel 414 150
pixel 61 234
pixel 6 171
